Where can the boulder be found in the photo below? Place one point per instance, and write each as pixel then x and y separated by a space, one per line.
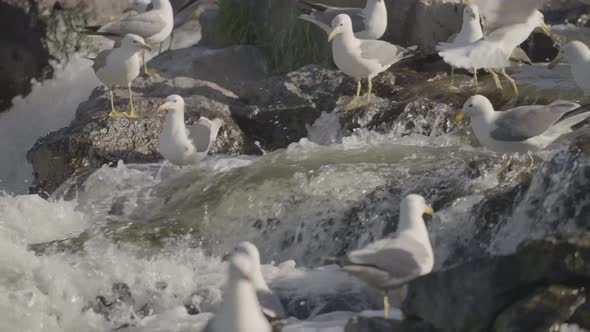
pixel 469 297
pixel 378 324
pixel 94 139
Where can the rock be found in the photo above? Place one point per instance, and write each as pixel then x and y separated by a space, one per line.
pixel 545 310
pixel 452 300
pixel 94 139
pixel 312 306
pixel 378 324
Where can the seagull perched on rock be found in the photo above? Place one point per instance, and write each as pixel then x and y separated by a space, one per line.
pixel 578 55
pixel 181 145
pixel 362 58
pixel 507 23
pixel 240 311
pixel 270 303
pixel 391 263
pixel 367 23
pixel 120 66
pixel 524 128
pixel 154 26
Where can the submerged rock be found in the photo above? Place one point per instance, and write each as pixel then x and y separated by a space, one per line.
pixel 378 324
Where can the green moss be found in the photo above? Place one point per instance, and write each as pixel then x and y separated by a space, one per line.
pixel 287 50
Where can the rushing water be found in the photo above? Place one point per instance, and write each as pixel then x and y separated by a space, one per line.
pixel 157 231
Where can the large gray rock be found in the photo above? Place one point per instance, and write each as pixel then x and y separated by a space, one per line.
pixel 378 324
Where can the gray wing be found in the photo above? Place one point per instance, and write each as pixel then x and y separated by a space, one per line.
pixel 200 135
pixel 498 13
pixel 101 60
pixel 522 123
pixel 384 52
pixel 144 25
pixel 271 306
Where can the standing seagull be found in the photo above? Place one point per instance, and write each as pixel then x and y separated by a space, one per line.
pixel 524 128
pixel 181 145
pixel 578 55
pixel 507 23
pixel 240 311
pixel 367 23
pixel 120 66
pixel 362 58
pixel 391 263
pixel 270 303
pixel 153 26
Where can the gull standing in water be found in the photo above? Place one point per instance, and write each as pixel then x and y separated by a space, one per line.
pixel 120 66
pixel 391 263
pixel 362 58
pixel 240 311
pixel 524 128
pixel 578 55
pixel 270 303
pixel 181 145
pixel 470 32
pixel 367 23
pixel 153 26
pixel 507 23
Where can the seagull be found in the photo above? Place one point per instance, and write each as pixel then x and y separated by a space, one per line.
pixel 139 6
pixel 240 311
pixel 192 9
pixel 181 145
pixel 524 128
pixel 120 66
pixel 270 303
pixel 362 58
pixel 153 26
pixel 367 23
pixel 470 32
pixel 578 55
pixel 507 23
pixel 391 263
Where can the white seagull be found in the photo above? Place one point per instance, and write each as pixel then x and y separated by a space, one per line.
pixel 391 263
pixel 270 303
pixel 367 23
pixel 524 128
pixel 362 58
pixel 578 55
pixel 120 66
pixel 181 145
pixel 507 23
pixel 240 311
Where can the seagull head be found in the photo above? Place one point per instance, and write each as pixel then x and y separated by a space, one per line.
pixel 340 24
pixel 246 248
pixel 139 6
pixel 173 103
pixel 470 12
pixel 414 203
pixel 240 267
pixel 572 51
pixel 134 42
pixel 475 106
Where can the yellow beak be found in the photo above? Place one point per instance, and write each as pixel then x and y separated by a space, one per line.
pixel 429 211
pixel 147 47
pixel 546 29
pixel 163 107
pixel 226 257
pixel 459 117
pixel 466 2
pixel 473 16
pixel 332 35
pixel 555 62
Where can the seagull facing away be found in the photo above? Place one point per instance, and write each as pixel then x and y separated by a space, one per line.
pixel 181 145
pixel 391 263
pixel 524 128
pixel 367 23
pixel 470 32
pixel 120 66
pixel 578 55
pixel 507 23
pixel 362 58
pixel 240 311
pixel 270 303
pixel 154 26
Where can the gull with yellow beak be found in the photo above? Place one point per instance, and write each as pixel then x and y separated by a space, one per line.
pixel 181 145
pixel 391 263
pixel 120 66
pixel 578 56
pixel 362 58
pixel 507 23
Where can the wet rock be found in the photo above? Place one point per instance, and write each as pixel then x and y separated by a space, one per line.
pixel 453 299
pixel 93 139
pixel 307 307
pixel 378 324
pixel 545 310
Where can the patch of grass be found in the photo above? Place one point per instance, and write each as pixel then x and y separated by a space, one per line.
pixel 297 45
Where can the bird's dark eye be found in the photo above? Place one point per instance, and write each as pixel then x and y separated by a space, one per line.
pixel 470 105
pixel 341 24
